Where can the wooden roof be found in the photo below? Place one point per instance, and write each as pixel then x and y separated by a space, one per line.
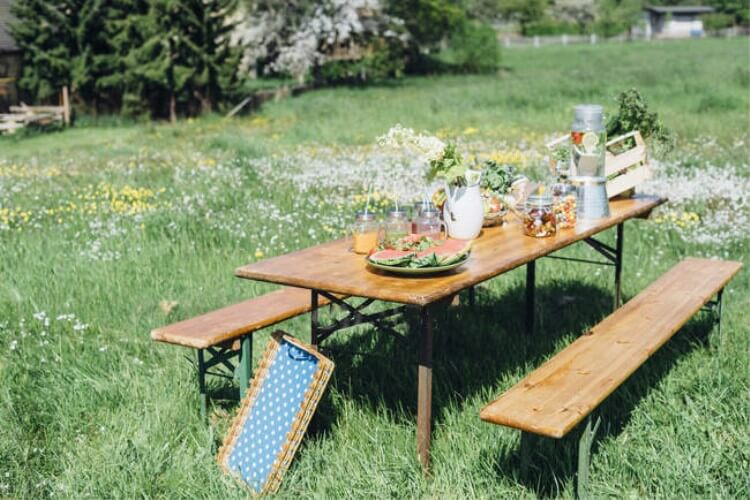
pixel 7 43
pixel 679 9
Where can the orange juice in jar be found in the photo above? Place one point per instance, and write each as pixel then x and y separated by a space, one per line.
pixel 365 233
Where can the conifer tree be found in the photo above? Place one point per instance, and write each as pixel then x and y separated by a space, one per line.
pixel 45 33
pixel 185 63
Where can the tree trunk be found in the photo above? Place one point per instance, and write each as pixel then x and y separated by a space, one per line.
pixel 172 108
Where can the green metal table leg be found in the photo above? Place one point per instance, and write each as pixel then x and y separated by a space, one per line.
pixel 246 364
pixel 202 383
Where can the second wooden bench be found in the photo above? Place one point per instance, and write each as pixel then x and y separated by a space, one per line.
pixel 227 332
pixel 556 397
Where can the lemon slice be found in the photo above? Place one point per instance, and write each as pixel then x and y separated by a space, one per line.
pixel 590 140
pixel 472 176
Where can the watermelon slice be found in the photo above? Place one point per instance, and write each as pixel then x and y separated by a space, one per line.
pixel 391 257
pixel 428 258
pixel 451 251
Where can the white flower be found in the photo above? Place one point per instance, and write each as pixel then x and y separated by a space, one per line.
pixel 13 345
pixel 428 147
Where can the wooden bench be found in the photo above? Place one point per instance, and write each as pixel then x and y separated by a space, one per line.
pixel 557 396
pixel 224 332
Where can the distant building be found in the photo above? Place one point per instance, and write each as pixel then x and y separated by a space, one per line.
pixel 10 58
pixel 677 21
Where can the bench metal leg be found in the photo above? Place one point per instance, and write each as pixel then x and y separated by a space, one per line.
pixel 584 456
pixel 202 383
pixel 424 390
pixel 530 298
pixel 314 324
pixel 718 311
pixel 246 364
pixel 472 297
pixel 714 308
pixel 527 441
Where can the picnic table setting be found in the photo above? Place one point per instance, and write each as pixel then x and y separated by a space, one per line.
pixel 476 222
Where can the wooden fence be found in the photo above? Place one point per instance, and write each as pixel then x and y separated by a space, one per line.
pixel 24 116
pixel 509 41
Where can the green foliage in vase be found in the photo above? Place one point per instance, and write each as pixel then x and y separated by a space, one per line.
pixel 449 168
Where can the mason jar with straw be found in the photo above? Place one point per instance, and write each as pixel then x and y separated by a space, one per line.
pixel 365 230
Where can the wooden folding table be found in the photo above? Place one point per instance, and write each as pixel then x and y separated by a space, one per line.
pixel 333 271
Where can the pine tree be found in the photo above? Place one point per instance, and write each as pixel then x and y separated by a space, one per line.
pixel 45 33
pixel 185 63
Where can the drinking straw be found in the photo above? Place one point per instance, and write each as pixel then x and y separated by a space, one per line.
pixel 367 206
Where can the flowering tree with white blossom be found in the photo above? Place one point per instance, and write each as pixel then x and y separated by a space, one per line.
pixel 296 36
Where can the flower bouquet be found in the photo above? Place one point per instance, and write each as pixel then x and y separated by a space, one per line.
pixel 461 201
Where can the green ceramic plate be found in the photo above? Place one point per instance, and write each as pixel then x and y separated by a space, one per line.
pixel 413 271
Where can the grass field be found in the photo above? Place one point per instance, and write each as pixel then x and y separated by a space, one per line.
pixel 105 224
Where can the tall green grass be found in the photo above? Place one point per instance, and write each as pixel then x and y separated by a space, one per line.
pixel 102 411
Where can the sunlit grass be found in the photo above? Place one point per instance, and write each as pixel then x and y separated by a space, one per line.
pixel 100 224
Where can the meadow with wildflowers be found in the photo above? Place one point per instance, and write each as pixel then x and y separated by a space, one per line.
pixel 110 229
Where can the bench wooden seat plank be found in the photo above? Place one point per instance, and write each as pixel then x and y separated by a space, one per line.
pixel 557 396
pixel 231 322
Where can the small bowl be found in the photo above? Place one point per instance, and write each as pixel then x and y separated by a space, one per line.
pixel 495 219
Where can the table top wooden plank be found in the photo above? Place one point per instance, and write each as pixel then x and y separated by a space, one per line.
pixel 555 397
pixel 335 268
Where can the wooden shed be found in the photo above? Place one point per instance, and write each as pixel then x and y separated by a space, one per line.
pixel 10 59
pixel 674 21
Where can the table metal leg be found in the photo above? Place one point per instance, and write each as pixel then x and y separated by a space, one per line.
pixel 530 296
pixel 618 264
pixel 314 324
pixel 424 390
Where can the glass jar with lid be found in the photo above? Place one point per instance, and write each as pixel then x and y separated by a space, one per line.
pixel 365 233
pixel 396 226
pixel 564 200
pixel 428 223
pixel 539 218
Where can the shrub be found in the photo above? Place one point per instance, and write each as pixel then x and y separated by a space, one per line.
pixel 716 21
pixel 381 60
pixel 473 48
pixel 551 27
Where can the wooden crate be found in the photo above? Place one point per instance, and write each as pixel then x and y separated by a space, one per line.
pixel 629 168
pixel 625 170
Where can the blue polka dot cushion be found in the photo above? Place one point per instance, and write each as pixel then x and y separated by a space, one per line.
pixel 275 413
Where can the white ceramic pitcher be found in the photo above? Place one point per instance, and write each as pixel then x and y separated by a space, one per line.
pixel 463 211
